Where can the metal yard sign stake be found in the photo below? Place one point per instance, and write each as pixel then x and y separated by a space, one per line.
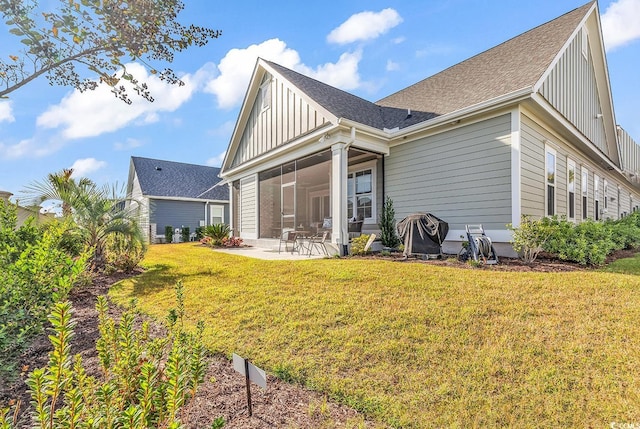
pixel 251 374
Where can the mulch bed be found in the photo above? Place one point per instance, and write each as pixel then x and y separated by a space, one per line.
pixel 223 394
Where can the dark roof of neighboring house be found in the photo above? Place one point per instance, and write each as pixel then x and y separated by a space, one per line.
pixel 176 179
pixel 515 64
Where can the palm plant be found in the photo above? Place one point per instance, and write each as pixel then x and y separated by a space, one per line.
pixel 101 213
pixel 60 186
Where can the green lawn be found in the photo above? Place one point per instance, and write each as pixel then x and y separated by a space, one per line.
pixel 414 345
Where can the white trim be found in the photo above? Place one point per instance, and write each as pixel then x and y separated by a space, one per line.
pixel 571 163
pixel 585 43
pixel 372 165
pixel 216 206
pixel 596 197
pixel 195 200
pixel 584 170
pixel 561 52
pixel 550 150
pixel 516 167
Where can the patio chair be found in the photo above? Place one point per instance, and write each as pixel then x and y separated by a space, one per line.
pixel 355 227
pixel 318 242
pixel 288 237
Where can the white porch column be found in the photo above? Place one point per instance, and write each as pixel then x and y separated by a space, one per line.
pixel 339 232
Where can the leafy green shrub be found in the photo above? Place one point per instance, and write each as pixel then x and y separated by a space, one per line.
pixel 199 232
pixel 168 233
pixel 387 225
pixel 123 254
pixel 35 271
pixel 528 238
pixel 217 233
pixel 358 244
pixel 185 233
pixel 146 381
pixel 587 243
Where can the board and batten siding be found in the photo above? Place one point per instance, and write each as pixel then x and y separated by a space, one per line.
pixel 571 88
pixel 629 152
pixel 463 176
pixel 287 117
pixel 248 207
pixel 142 203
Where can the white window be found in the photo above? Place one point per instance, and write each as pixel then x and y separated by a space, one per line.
pixel 361 184
pixel 265 95
pixel 571 189
pixel 596 196
pixel 550 167
pixel 585 191
pixel 605 188
pixel 217 214
pixel 585 44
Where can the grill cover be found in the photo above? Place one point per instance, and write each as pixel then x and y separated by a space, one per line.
pixel 422 234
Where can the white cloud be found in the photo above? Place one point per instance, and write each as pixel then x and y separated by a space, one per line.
pixel 5 112
pixel 128 144
pixel 32 147
pixel 621 23
pixel 364 26
pixel 84 166
pixel 392 66
pixel 93 113
pixel 236 67
pixel 216 161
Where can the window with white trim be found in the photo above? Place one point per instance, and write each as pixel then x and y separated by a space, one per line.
pixel 571 189
pixel 605 190
pixel 265 95
pixel 361 184
pixel 217 214
pixel 596 196
pixel 550 179
pixel 585 191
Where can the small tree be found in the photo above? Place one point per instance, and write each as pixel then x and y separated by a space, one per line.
pixel 530 237
pixel 387 224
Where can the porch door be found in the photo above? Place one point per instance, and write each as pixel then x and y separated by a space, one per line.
pixel 288 203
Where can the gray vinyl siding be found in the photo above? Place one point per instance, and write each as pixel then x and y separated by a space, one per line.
pixel 571 88
pixel 463 176
pixel 288 117
pixel 248 204
pixel 534 135
pixel 176 214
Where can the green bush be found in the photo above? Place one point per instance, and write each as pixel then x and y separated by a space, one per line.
pixel 358 245
pixel 146 380
pixel 123 254
pixel 217 233
pixel 35 271
pixel 168 233
pixel 529 237
pixel 185 233
pixel 199 232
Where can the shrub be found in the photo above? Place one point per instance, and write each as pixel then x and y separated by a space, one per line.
pixel 217 233
pixel 168 233
pixel 529 238
pixel 358 245
pixel 232 242
pixel 146 381
pixel 122 254
pixel 387 225
pixel 185 233
pixel 34 272
pixel 199 232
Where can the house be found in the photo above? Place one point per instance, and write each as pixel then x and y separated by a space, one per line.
pixel 176 194
pixel 24 213
pixel 525 128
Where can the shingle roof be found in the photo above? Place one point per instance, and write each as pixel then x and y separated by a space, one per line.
pixel 515 64
pixel 348 106
pixel 176 179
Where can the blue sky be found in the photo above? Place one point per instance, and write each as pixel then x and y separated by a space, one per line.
pixel 370 48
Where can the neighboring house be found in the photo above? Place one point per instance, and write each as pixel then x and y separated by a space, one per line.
pixel 177 195
pixel 24 213
pixel 524 128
